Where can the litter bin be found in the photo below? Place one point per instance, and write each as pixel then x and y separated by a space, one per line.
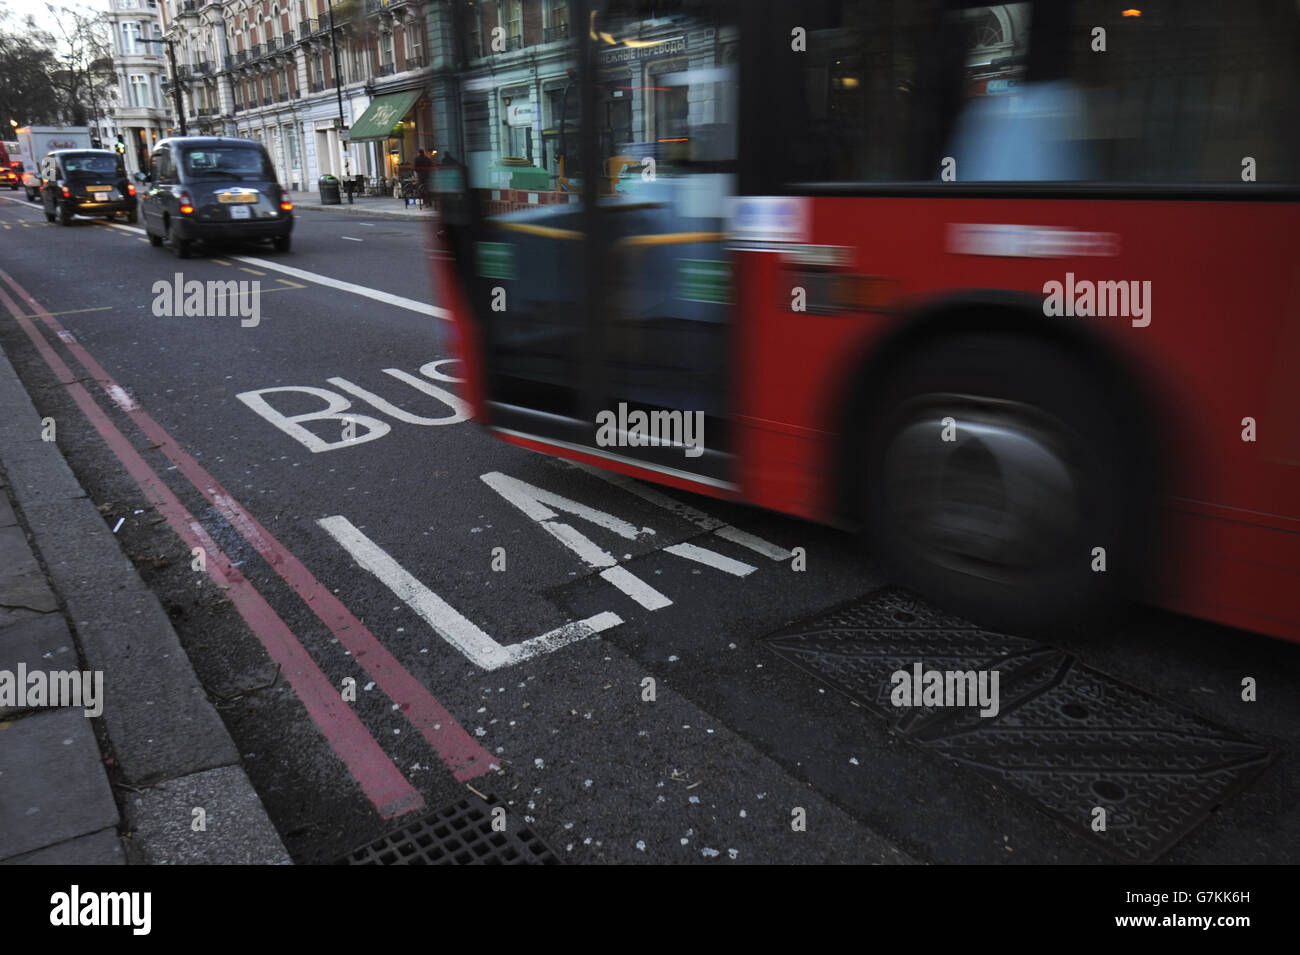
pixel 329 191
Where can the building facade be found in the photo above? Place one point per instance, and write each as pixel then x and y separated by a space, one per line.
pixel 137 111
pixel 266 70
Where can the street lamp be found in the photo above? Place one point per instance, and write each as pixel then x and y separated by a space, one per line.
pixel 176 80
pixel 338 86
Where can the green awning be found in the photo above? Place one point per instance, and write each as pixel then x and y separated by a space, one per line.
pixel 383 113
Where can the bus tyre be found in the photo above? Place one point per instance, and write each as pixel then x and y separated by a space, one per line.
pixel 996 466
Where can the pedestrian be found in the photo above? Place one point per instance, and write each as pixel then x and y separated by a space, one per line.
pixel 423 166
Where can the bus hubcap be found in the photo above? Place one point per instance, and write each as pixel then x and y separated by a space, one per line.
pixel 981 485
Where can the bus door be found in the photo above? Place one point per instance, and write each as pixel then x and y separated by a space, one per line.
pixel 665 133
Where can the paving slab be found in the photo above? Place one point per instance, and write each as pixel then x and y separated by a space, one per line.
pixel 98 848
pixel 157 713
pixel 23 589
pixel 235 829
pixel 42 643
pixel 53 785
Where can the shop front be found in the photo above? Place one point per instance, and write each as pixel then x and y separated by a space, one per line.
pixel 394 127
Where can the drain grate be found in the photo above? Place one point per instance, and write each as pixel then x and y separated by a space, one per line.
pixel 459 834
pixel 1067 737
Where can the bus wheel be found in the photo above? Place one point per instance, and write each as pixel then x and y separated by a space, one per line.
pixel 1005 481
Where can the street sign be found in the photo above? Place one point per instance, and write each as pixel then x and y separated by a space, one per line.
pixel 344 134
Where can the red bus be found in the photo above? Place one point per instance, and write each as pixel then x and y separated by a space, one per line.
pixel 1010 288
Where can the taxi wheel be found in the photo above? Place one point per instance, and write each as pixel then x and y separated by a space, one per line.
pixel 65 214
pixel 49 216
pixel 154 240
pixel 132 217
pixel 996 466
pixel 180 246
pixel 281 243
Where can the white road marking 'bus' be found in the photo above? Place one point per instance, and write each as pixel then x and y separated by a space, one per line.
pixel 446 621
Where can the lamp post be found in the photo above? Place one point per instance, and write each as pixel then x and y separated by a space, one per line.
pixel 176 80
pixel 338 87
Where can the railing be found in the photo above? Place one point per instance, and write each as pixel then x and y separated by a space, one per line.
pixel 255 51
pixel 266 101
pixel 284 97
pixel 415 62
pixel 306 27
pixel 202 68
pixel 560 32
pixel 189 6
pixel 515 43
pixel 271 44
pixel 317 87
pixel 287 39
pixel 240 58
pixel 182 74
pixel 238 106
pixel 386 69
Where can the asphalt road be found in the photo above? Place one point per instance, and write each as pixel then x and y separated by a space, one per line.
pixel 736 738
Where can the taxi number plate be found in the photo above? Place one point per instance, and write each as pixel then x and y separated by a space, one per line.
pixel 236 197
pixel 101 188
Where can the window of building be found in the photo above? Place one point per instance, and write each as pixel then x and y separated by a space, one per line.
pixel 415 44
pixel 386 52
pixel 130 37
pixel 140 90
pixel 560 15
pixel 514 24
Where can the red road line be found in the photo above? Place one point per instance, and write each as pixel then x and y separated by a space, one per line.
pixel 462 754
pixel 383 783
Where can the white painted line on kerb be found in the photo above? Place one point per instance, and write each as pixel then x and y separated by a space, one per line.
pixel 388 298
pixel 447 622
pixel 702 555
pixel 351 238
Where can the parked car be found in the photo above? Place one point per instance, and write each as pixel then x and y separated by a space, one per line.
pixel 213 189
pixel 88 182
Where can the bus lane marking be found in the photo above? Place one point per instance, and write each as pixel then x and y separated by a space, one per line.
pixel 462 633
pixel 459 751
pixel 533 501
pixel 688 513
pixel 377 775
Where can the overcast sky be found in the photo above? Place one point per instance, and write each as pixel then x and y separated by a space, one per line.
pixel 47 20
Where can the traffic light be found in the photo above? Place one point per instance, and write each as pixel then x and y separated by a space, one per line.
pixel 119 145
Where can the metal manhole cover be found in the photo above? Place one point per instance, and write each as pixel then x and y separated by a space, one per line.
pixel 459 834
pixel 1066 736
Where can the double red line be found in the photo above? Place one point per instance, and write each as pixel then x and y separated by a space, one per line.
pixel 383 783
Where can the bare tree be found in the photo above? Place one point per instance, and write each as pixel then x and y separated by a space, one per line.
pixel 84 57
pixel 27 93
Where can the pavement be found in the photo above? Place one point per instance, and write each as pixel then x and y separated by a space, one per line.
pixel 384 207
pixel 144 774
